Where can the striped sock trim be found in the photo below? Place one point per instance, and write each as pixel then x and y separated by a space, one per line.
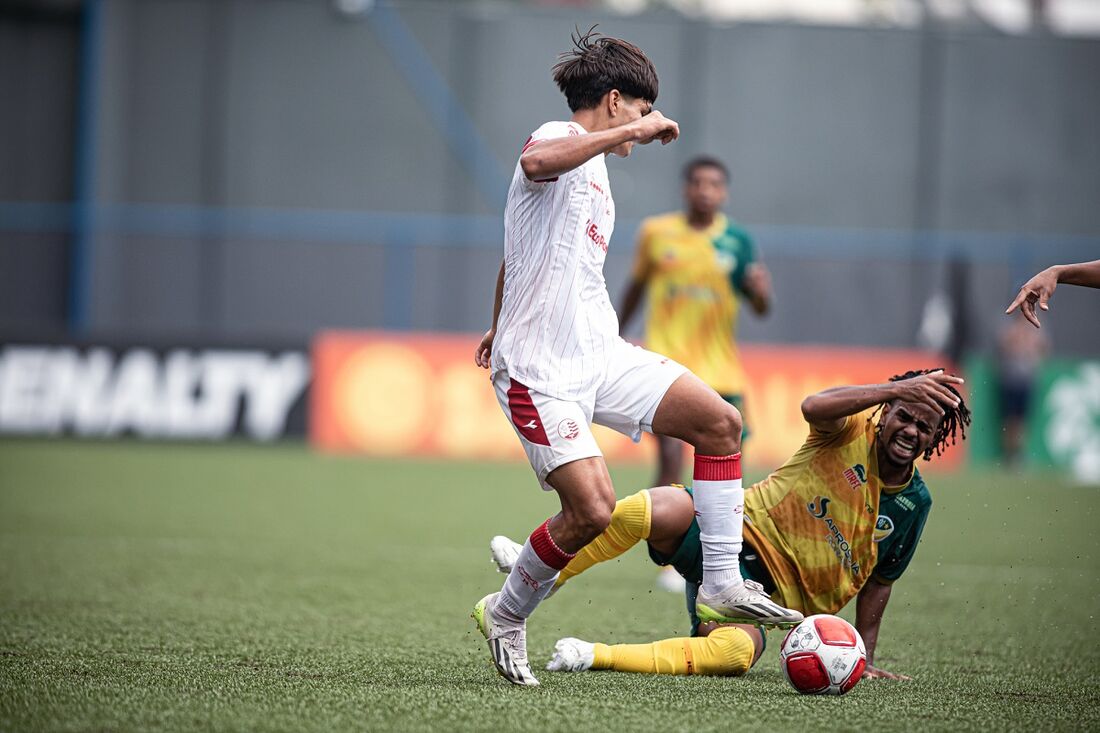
pixel 547 550
pixel 717 468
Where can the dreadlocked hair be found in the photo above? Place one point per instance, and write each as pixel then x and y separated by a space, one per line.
pixel 955 419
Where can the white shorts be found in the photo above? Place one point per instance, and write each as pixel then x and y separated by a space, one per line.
pixel 555 432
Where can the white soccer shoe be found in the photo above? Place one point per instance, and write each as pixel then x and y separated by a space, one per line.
pixel 572 655
pixel 744 603
pixel 507 642
pixel 504 552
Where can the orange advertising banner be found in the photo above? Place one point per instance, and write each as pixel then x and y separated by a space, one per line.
pixel 418 394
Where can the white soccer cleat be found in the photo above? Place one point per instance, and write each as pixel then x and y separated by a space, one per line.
pixel 505 552
pixel 744 603
pixel 572 655
pixel 670 580
pixel 507 642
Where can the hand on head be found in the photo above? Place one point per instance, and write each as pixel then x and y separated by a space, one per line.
pixel 930 389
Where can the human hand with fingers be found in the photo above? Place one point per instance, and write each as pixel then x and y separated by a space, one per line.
pixel 655 126
pixel 929 389
pixel 483 352
pixel 1037 290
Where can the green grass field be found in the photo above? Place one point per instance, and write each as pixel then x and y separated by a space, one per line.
pixel 157 587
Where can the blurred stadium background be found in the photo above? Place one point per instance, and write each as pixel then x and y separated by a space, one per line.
pixel 250 173
pixel 279 220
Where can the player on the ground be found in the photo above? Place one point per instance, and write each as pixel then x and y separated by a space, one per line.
pixel 842 517
pixel 694 266
pixel 558 363
pixel 1040 288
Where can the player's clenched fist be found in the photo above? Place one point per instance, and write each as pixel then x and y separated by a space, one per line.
pixel 930 389
pixel 655 126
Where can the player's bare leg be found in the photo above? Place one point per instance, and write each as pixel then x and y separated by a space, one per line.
pixel 696 414
pixel 670 461
pixel 587 500
pixel 666 520
pixel 670 470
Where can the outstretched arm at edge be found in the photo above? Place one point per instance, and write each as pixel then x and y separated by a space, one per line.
pixel 1040 288
pixel 1086 274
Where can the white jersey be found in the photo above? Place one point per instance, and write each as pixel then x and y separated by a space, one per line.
pixel 556 323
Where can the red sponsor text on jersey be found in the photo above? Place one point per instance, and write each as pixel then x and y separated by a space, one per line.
pixel 851 477
pixel 593 233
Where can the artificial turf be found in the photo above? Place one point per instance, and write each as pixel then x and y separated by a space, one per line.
pixel 166 587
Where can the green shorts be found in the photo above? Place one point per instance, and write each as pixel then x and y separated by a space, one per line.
pixel 688 562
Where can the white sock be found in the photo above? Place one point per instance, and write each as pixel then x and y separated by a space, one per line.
pixel 720 508
pixel 529 581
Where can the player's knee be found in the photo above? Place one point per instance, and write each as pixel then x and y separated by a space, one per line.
pixel 594 520
pixel 735 649
pixel 739 668
pixel 721 431
pixel 590 519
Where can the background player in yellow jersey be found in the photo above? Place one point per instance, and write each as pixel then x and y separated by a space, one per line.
pixel 842 517
pixel 693 267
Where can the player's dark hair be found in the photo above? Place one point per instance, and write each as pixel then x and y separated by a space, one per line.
pixel 955 418
pixel 704 161
pixel 597 64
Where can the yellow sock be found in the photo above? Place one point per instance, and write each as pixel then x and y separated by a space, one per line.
pixel 630 523
pixel 727 651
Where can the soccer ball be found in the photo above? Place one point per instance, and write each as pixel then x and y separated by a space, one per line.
pixel 823 655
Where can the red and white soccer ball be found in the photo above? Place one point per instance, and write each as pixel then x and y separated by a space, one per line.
pixel 823 655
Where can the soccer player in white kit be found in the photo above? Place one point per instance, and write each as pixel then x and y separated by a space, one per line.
pixel 558 363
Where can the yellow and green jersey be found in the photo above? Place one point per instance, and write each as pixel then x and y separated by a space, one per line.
pixel 824 522
pixel 693 278
pixel 821 525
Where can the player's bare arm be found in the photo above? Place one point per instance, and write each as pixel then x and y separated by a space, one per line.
pixel 484 351
pixel 758 287
pixel 870 606
pixel 828 409
pixel 1040 288
pixel 551 158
